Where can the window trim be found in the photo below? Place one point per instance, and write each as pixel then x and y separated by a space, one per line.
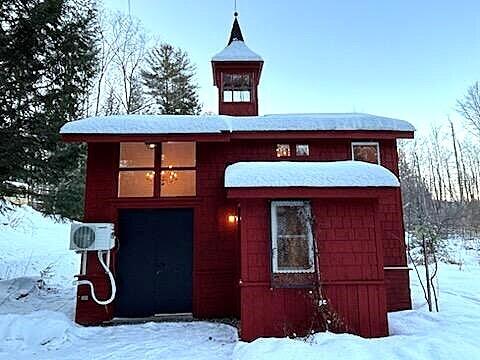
pixel 274 238
pixel 376 143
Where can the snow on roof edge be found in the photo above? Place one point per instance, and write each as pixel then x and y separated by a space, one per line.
pixel 237 51
pixel 201 124
pixel 308 174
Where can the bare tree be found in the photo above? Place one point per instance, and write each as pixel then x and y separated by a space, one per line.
pixel 457 163
pixel 122 50
pixel 106 54
pixel 469 108
pixel 130 50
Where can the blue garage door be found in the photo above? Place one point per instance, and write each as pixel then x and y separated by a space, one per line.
pixel 154 273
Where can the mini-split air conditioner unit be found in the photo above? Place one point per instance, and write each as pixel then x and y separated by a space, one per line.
pixel 92 237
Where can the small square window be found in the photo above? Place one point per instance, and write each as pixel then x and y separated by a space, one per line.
pixel 283 150
pixel 302 150
pixel 292 240
pixel 366 151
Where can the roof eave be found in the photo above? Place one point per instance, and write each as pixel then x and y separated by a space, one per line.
pixel 247 135
pixel 304 192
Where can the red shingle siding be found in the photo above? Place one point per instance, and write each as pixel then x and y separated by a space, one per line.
pixel 345 224
pixel 350 269
pixel 100 189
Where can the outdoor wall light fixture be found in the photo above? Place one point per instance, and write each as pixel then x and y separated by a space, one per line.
pixel 232 219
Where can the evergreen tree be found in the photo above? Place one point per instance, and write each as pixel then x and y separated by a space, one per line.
pixel 48 58
pixel 170 81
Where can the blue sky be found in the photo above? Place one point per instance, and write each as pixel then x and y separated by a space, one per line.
pixel 410 59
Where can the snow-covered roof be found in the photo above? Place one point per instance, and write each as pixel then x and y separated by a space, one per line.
pixel 308 174
pixel 325 122
pixel 146 124
pixel 201 124
pixel 237 51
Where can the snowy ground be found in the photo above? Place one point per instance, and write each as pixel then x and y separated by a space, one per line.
pixel 36 308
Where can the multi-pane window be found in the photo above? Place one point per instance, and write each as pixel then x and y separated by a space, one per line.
pixel 366 151
pixel 148 170
pixel 237 87
pixel 292 240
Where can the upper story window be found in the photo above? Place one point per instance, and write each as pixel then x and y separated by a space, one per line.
pixel 165 170
pixel 283 150
pixel 292 239
pixel 302 150
pixel 136 170
pixel 366 151
pixel 137 155
pixel 177 173
pixel 237 87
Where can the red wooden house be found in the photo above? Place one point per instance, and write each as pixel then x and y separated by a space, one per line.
pixel 247 216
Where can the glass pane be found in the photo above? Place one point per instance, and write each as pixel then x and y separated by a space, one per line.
pixel 178 183
pixel 228 96
pixel 241 96
pixel 302 150
pixel 293 253
pixel 178 154
pixel 292 238
pixel 135 183
pixel 236 82
pixel 283 150
pixel 134 155
pixel 368 153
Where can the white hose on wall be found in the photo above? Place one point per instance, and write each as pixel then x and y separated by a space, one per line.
pixel 92 289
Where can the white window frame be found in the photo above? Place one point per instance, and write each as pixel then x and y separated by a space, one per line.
pixel 360 143
pixel 274 240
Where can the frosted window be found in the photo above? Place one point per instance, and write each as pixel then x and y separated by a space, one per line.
pixel 368 152
pixel 292 244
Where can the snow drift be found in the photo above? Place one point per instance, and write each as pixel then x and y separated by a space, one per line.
pixel 36 315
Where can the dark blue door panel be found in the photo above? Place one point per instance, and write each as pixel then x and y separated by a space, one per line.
pixel 154 271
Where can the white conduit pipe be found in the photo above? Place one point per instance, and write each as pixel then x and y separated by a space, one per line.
pixel 92 289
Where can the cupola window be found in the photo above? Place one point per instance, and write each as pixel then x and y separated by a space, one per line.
pixel 237 87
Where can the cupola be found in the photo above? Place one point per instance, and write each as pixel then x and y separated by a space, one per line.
pixel 236 74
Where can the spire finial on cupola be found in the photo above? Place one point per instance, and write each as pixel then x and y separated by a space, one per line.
pixel 236 33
